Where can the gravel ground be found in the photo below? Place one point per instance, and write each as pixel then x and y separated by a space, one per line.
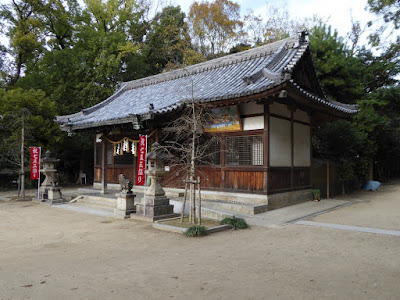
pixel 48 253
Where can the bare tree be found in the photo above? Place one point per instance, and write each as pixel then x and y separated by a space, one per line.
pixel 187 146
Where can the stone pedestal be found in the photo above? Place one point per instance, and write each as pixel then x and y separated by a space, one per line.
pixel 125 205
pixel 54 195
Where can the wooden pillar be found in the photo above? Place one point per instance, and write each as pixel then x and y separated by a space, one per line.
pixel 223 152
pixel 104 167
pixel 327 179
pixel 311 149
pixel 266 146
pixel 292 146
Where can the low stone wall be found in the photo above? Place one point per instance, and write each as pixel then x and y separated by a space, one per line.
pixel 289 198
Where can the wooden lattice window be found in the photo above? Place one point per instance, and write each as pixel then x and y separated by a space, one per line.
pixel 244 150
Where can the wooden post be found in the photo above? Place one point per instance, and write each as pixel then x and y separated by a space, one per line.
pixel 184 201
pixel 193 199
pixel 198 185
pixel 104 167
pixel 327 179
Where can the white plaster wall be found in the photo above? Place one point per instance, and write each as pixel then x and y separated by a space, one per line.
pixel 302 147
pixel 301 116
pixel 280 154
pixel 251 108
pixel 279 109
pixel 253 123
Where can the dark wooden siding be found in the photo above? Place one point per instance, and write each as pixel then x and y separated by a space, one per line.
pixel 113 173
pixel 234 179
pixel 244 180
pixel 278 179
pixel 301 177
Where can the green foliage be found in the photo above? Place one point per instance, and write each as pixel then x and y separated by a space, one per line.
pixel 235 223
pixel 342 142
pixel 340 73
pixel 33 110
pixel 23 29
pixel 347 75
pixel 214 25
pixel 196 231
pixel 167 41
pixel 316 194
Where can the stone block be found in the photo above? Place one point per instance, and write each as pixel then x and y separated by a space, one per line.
pixel 125 205
pixel 126 201
pixel 154 211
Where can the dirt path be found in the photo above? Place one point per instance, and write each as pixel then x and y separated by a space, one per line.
pixel 373 209
pixel 48 253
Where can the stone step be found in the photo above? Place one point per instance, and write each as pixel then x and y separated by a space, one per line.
pixel 221 208
pixel 86 209
pixel 98 201
pixel 249 209
pixel 92 206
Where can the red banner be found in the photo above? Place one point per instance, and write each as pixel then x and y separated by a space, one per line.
pixel 141 161
pixel 35 162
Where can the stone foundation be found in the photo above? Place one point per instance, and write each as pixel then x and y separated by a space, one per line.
pixel 280 200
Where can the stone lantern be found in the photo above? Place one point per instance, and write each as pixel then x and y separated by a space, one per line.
pixel 49 190
pixel 155 205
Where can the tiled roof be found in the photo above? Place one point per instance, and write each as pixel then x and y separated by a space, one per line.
pixel 229 77
pixel 346 108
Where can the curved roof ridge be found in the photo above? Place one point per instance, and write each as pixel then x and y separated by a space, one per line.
pixel 260 51
pixel 348 108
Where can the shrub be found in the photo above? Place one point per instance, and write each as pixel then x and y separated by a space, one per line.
pixel 235 223
pixel 316 194
pixel 196 230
